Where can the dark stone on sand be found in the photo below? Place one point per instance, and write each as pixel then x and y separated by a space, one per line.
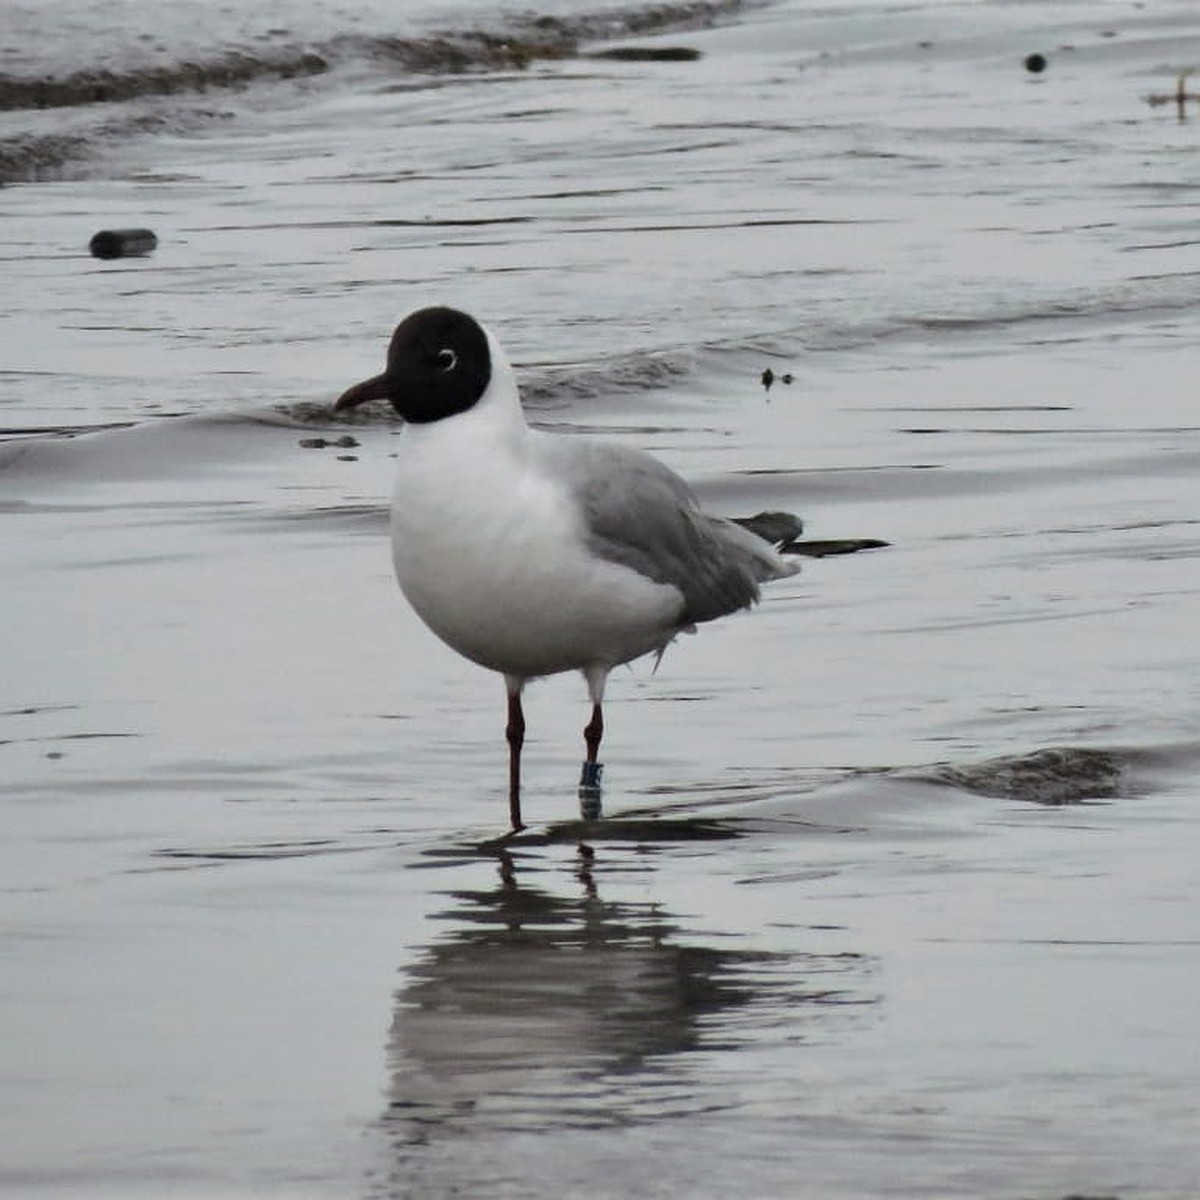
pixel 123 243
pixel 1035 63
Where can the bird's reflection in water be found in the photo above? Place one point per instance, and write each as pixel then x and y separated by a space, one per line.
pixel 540 1011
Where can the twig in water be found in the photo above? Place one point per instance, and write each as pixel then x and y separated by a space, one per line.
pixel 1180 96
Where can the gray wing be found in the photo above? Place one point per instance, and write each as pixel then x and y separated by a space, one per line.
pixel 640 514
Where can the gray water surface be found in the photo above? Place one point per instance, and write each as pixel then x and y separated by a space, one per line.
pixel 896 894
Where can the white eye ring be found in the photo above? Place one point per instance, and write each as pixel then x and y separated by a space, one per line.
pixel 447 359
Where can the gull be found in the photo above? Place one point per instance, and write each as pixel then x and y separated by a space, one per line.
pixel 532 553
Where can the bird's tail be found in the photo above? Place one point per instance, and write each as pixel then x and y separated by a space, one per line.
pixel 777 528
pixel 783 531
pixel 762 538
pixel 773 533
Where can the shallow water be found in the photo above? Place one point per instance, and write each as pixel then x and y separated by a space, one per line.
pixel 896 892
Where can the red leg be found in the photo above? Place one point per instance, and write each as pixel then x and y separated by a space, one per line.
pixel 515 733
pixel 589 778
pixel 593 732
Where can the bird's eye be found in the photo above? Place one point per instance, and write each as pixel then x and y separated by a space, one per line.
pixel 447 360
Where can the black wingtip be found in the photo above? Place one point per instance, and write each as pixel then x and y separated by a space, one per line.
pixel 832 546
pixel 777 528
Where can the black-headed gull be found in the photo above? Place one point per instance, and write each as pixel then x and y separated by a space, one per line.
pixel 532 553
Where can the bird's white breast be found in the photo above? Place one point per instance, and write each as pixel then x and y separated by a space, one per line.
pixel 490 551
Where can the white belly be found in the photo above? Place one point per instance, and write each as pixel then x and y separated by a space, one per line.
pixel 497 569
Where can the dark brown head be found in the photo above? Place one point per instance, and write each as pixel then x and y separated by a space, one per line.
pixel 438 364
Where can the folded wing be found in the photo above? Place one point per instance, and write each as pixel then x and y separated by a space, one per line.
pixel 640 514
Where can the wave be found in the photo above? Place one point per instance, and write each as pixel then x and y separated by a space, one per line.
pixel 32 154
pixel 817 801
pixel 510 42
pixel 1052 776
pixel 228 70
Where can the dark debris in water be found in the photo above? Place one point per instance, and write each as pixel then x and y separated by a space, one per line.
pixel 123 243
pixel 640 54
pixel 345 442
pixel 1180 97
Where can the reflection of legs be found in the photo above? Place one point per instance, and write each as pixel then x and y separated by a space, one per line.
pixel 515 733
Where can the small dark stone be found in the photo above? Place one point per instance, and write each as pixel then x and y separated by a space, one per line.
pixel 786 378
pixel 346 441
pixel 1035 64
pixel 768 378
pixel 123 243
pixel 317 443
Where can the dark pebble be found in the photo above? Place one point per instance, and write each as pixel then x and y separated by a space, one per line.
pixel 317 443
pixel 1035 63
pixel 123 243
pixel 768 378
